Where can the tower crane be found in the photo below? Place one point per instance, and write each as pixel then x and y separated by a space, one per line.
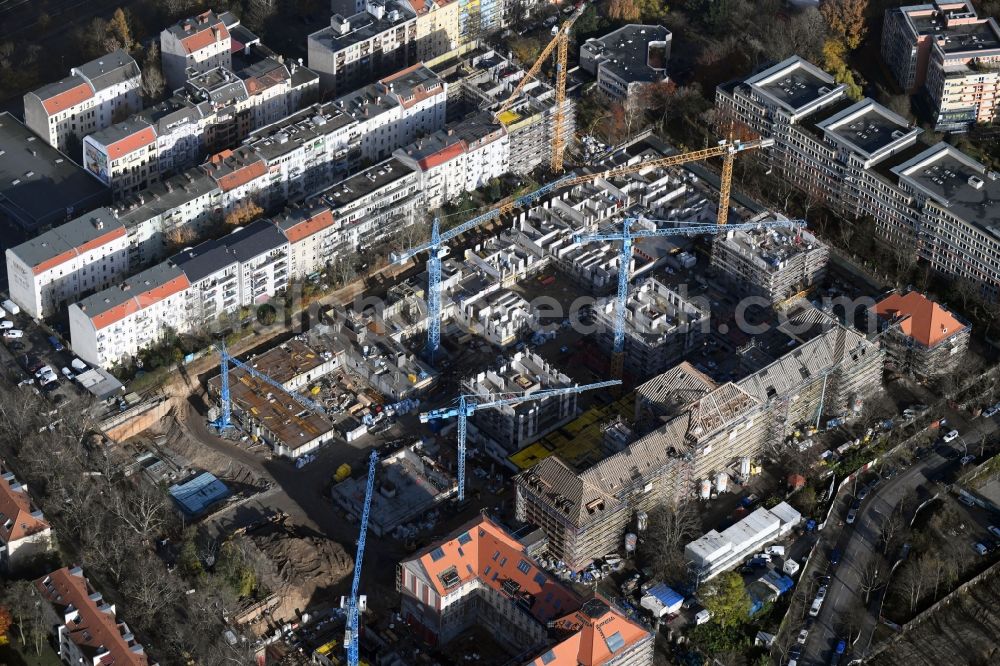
pixel 470 404
pixel 627 235
pixel 224 422
pixel 353 613
pixel 436 249
pixel 559 43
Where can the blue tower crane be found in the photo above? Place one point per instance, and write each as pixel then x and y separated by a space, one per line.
pixel 470 404
pixel 436 247
pixel 627 235
pixel 224 421
pixel 351 633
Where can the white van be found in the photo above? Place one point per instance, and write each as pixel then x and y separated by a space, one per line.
pixel 702 616
pixel 11 307
pixel 775 550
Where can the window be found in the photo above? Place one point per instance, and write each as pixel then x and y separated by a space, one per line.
pixel 523 566
pixel 464 539
pixel 548 657
pixel 615 642
pixel 486 571
pixel 496 556
pixel 436 554
pixel 540 579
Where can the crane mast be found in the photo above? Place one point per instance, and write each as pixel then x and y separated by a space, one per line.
pixel 353 613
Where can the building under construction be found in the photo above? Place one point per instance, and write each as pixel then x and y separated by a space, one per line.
pixel 775 263
pixel 272 416
pixel 687 430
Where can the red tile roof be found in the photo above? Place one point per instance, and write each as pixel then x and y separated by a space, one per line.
pixel 596 634
pixel 139 301
pixel 67 98
pixel 16 521
pixel 446 154
pixel 49 264
pixel 96 630
pixel 242 175
pixel 131 143
pixel 208 34
pixel 321 220
pixel 927 322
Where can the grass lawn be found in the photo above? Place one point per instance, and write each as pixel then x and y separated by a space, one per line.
pixel 12 655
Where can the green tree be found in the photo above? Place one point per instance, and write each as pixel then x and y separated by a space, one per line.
pixel 727 600
pixel 188 558
pixel 266 314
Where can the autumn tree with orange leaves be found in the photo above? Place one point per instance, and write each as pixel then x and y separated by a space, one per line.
pixel 846 19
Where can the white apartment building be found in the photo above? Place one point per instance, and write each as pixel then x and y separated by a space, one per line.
pixel 439 27
pixel 312 237
pixel 24 531
pixel 716 552
pixel 395 111
pixel 124 157
pixel 85 254
pixel 242 176
pixel 113 325
pixel 94 96
pixel 379 39
pixel 88 629
pixel 199 44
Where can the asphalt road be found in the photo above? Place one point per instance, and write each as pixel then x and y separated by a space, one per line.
pixel 845 610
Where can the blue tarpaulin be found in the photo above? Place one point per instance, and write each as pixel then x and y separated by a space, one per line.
pixel 665 596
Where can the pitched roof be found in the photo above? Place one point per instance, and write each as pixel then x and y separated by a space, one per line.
pixel 597 634
pixel 446 154
pixel 138 292
pixel 925 321
pixel 95 628
pixel 298 227
pixel 240 167
pixel 197 32
pixel 485 551
pixel 136 140
pixel 17 518
pixel 64 94
pixel 67 241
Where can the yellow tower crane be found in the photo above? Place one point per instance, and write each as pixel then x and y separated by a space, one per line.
pixel 559 43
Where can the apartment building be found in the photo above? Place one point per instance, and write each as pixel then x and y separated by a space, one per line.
pixel 24 532
pixel 241 175
pixel 661 326
pixel 944 49
pixel 716 552
pixel 933 202
pixel 923 339
pixel 394 112
pixel 312 236
pixel 462 158
pixel 87 627
pixel 775 263
pixel 123 157
pixel 94 96
pixel 197 44
pixel 438 26
pixel 627 59
pixel 86 254
pixel 504 430
pixel 115 324
pixel 482 576
pixel 381 38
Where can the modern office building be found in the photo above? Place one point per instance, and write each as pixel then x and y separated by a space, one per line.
pixel 626 59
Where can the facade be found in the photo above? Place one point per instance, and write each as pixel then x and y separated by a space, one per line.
pixel 933 203
pixel 775 263
pixel 924 339
pixel 626 59
pixel 482 576
pixel 123 157
pixel 87 627
pixel 94 96
pixel 86 254
pixel 195 45
pixel 660 327
pixel 24 532
pixel 716 552
pixel 945 49
pixel 39 186
pixel 504 430
pixel 378 40
pixel 438 26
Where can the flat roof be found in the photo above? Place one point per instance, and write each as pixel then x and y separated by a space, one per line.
pixel 972 37
pixel 794 83
pixel 626 51
pixel 363 26
pixel 365 182
pixel 868 127
pixel 287 361
pixel 956 182
pixel 39 186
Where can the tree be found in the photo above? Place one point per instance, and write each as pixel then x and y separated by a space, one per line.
pixel 6 620
pixel 668 529
pixel 248 211
pixel 846 19
pixel 805 500
pixel 266 314
pixel 119 28
pixel 153 83
pixel 727 600
pixel 626 11
pixel 834 63
pixel 27 609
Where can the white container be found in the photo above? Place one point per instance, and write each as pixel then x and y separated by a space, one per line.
pixel 706 489
pixel 721 482
pixel 11 307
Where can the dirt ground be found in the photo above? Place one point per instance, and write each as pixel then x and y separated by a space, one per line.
pixel 305 567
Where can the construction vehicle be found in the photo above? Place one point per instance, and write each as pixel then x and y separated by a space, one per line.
pixel 627 235
pixel 470 404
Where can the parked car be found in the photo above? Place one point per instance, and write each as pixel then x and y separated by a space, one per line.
pixel 775 550
pixel 835 556
pixel 980 548
pixel 991 411
pixel 56 345
pixel 803 635
pixel 863 492
pixel 994 530
pixel 951 436
pixel 13 333
pixel 702 616
pixel 6 324
pixel 967 459
pixel 42 371
pixel 67 373
pixel 966 500
pixel 852 516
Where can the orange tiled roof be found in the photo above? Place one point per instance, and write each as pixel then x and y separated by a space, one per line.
pixel 48 264
pixel 132 142
pixel 485 551
pixel 139 301
pixel 209 34
pixel 242 175
pixel 16 521
pixel 67 98
pixel 96 629
pixel 927 322
pixel 446 154
pixel 596 634
pixel 309 226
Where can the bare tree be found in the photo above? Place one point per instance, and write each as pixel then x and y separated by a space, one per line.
pixel 669 528
pixel 869 577
pixel 140 509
